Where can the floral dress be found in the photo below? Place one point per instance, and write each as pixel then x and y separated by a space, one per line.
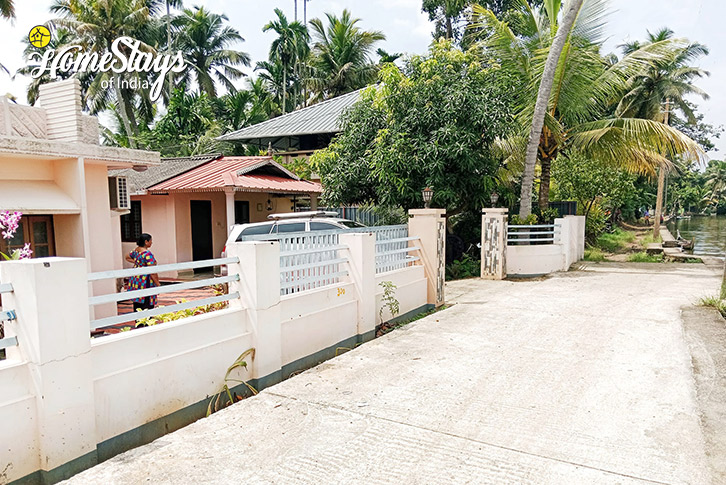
pixel 142 282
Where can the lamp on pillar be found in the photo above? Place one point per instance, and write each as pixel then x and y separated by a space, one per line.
pixel 494 198
pixel 428 194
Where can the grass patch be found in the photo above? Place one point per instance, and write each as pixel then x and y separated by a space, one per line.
pixel 644 257
pixel 594 254
pixel 615 241
pixel 649 239
pixel 714 302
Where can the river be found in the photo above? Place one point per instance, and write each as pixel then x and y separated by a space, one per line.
pixel 708 231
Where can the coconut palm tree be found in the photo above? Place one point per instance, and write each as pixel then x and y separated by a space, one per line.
pixel 716 179
pixel 7 9
pixel 205 41
pixel 341 55
pixel 290 46
pixel 668 81
pixel 583 85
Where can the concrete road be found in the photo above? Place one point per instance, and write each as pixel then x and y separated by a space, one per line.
pixel 583 378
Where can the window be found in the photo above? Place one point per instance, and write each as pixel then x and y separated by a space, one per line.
pixel 322 226
pixel 255 230
pixel 131 223
pixel 352 224
pixel 290 227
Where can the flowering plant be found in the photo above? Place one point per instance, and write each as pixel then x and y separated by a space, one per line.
pixel 8 226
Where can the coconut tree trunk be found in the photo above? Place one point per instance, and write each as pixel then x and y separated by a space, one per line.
pixel 661 184
pixel 544 183
pixel 122 111
pixel 284 89
pixel 543 96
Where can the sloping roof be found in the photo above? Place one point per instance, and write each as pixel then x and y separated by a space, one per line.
pixel 323 117
pixel 245 174
pixel 168 168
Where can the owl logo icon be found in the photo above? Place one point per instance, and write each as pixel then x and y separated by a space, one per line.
pixel 39 36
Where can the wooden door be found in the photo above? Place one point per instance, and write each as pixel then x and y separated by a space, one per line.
pixel 36 230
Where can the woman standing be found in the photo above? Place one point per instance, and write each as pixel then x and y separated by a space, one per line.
pixel 141 257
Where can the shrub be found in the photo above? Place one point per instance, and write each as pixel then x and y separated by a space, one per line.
pixel 595 224
pixel 649 239
pixel 644 257
pixel 467 267
pixel 530 220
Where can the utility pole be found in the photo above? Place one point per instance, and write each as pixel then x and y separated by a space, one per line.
pixel 295 10
pixel 305 11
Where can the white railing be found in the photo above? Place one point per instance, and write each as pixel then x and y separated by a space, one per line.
pixel 534 234
pixel 7 315
pixel 310 260
pixel 392 248
pixel 160 290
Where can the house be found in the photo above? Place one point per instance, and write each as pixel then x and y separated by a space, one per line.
pixel 54 171
pixel 189 204
pixel 300 133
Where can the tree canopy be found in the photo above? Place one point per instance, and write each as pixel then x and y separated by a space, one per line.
pixel 428 124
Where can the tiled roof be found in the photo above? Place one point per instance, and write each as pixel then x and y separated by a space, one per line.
pixel 323 117
pixel 247 174
pixel 168 168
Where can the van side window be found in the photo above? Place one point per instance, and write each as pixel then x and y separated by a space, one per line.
pixel 254 231
pixel 291 227
pixel 322 226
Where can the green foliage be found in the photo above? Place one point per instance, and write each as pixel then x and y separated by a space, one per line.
pixel 615 241
pixel 588 181
pixel 466 267
pixel 530 220
pixel 341 53
pixel 594 254
pixel 643 257
pixel 429 124
pixel 595 224
pixel 217 402
pixel 190 312
pixel 548 216
pixel 388 300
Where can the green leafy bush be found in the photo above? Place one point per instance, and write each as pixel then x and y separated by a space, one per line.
pixel 531 220
pixel 466 267
pixel 595 225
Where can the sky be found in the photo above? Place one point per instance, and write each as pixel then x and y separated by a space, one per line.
pixel 409 31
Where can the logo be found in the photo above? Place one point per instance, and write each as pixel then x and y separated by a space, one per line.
pixel 39 36
pixel 126 56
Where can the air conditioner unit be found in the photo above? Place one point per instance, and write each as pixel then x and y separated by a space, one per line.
pixel 118 190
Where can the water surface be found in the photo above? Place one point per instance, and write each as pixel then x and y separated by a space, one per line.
pixel 708 231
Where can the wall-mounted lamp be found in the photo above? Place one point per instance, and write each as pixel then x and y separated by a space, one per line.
pixel 269 204
pixel 494 198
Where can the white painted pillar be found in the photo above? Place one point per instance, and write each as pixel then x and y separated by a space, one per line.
pixel 494 244
pixel 564 239
pixel 229 203
pixel 362 256
pixel 50 297
pixel 577 225
pixel 429 225
pixel 259 289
